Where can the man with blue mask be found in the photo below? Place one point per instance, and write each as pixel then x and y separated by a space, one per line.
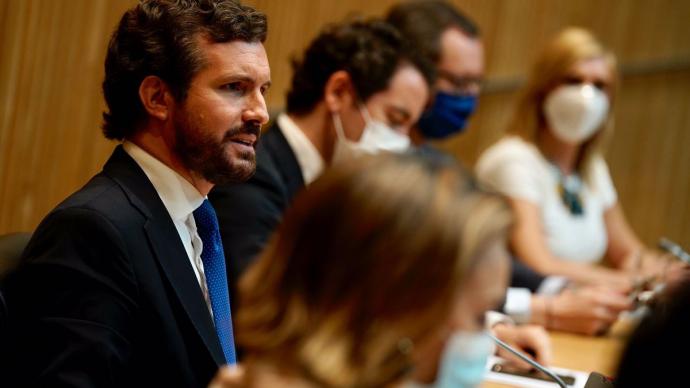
pixel 450 41
pixel 356 90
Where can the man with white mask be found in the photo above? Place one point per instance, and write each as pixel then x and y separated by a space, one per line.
pixel 356 90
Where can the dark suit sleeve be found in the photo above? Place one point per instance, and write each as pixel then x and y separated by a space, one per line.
pixel 72 304
pixel 248 213
pixel 524 276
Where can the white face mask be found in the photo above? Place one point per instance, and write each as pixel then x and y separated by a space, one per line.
pixel 376 137
pixel 575 112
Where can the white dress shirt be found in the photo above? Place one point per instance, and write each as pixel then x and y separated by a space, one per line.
pixel 310 161
pixel 180 199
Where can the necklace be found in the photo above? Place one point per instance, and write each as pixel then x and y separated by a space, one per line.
pixel 570 188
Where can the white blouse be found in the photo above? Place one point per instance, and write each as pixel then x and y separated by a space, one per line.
pixel 517 169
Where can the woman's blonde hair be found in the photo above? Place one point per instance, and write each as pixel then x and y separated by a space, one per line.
pixel 367 261
pixel 552 68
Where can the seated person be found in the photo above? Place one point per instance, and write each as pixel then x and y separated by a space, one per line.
pixel 356 89
pixel 451 41
pixel 112 288
pixel 374 266
pixel 551 167
pixel 356 79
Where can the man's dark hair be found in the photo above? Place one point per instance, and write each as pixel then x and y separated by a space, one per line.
pixel 370 51
pixel 423 22
pixel 161 38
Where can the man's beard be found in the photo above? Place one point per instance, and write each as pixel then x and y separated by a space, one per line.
pixel 204 155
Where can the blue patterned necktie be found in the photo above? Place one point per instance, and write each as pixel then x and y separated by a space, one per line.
pixel 216 278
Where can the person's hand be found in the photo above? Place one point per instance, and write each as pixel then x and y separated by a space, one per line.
pixel 228 376
pixel 532 340
pixel 620 282
pixel 671 273
pixel 586 310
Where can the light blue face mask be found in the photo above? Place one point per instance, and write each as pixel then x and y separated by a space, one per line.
pixel 463 363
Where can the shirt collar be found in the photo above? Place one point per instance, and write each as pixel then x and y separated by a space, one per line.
pixel 179 196
pixel 308 157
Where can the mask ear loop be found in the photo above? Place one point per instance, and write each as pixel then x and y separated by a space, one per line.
pixel 338 125
pixel 364 112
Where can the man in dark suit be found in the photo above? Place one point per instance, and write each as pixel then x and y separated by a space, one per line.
pixel 124 283
pixel 357 89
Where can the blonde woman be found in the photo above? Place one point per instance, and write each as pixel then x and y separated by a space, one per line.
pixel 551 167
pixel 363 279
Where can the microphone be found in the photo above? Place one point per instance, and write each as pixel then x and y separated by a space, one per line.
pixel 674 249
pixel 528 360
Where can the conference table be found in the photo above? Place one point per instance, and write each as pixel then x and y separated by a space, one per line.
pixel 572 351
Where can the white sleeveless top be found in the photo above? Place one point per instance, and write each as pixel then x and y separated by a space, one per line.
pixel 518 170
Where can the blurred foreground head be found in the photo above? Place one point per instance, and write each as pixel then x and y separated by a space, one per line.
pixel 649 359
pixel 366 265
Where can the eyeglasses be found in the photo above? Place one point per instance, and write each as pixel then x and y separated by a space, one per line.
pixel 461 85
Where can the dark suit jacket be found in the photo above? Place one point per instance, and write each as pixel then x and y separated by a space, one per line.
pixel 105 295
pixel 249 212
pixel 521 275
pixel 524 276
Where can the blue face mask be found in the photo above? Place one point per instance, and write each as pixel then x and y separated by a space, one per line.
pixel 463 363
pixel 448 115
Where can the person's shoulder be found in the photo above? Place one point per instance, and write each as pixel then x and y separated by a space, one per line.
pixel 272 147
pixel 98 215
pixel 100 192
pixel 513 167
pixel 431 153
pixel 99 205
pixel 512 147
pixel 599 165
pixel 509 151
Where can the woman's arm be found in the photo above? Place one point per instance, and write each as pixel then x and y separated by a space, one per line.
pixel 625 251
pixel 623 246
pixel 529 244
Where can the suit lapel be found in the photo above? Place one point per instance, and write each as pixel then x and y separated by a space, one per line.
pixel 175 264
pixel 166 246
pixel 285 160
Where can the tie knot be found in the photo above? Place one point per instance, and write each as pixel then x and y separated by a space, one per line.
pixel 205 216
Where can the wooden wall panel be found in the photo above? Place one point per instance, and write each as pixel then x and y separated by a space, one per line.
pixel 52 51
pixel 649 154
pixel 50 72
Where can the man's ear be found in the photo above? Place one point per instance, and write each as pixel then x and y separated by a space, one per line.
pixel 156 97
pixel 339 91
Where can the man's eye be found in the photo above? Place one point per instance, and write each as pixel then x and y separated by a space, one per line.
pixel 601 85
pixel 233 87
pixel 396 125
pixel 573 80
